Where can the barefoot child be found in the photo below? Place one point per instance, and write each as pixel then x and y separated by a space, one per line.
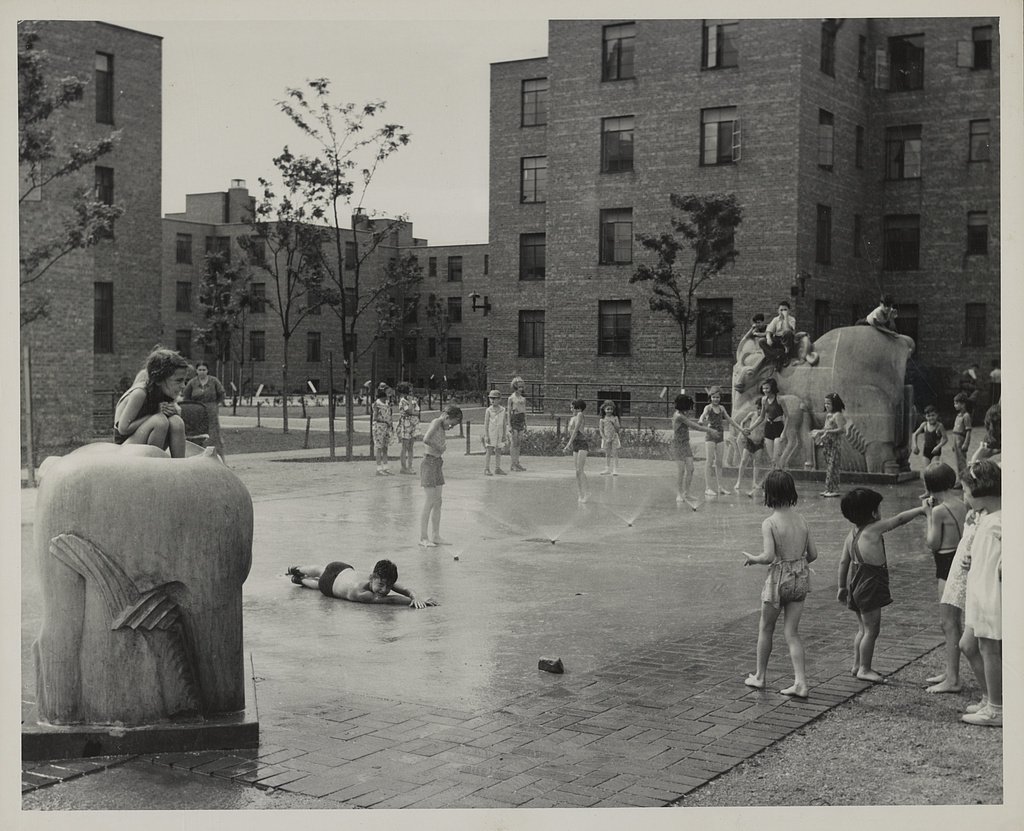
pixel 610 427
pixel 382 428
pixel 752 441
pixel 495 433
pixel 961 430
pixel 340 580
pixel 579 446
pixel 408 425
pixel 864 573
pixel 715 416
pixel 431 475
pixel 682 422
pixel 983 614
pixel 787 549
pixel 933 435
pixel 148 412
pixel 517 422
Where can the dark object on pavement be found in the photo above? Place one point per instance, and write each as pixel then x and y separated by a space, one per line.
pixel 551 665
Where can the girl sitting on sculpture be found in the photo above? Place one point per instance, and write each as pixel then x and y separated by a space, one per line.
pixel 148 412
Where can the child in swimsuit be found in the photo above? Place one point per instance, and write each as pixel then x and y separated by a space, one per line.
pixel 610 427
pixel 788 549
pixel 752 441
pixel 682 422
pixel 715 416
pixel 340 580
pixel 517 421
pixel 864 573
pixel 579 446
pixel 961 430
pixel 934 435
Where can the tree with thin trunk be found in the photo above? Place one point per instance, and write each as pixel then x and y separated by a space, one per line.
pixel 290 248
pixel 396 310
pixel 349 146
pixel 708 230
pixel 44 161
pixel 440 324
pixel 225 299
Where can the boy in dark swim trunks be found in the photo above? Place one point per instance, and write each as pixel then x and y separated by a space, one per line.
pixel 340 580
pixel 864 573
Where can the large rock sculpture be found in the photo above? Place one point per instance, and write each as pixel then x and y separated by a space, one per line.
pixel 863 365
pixel 141 561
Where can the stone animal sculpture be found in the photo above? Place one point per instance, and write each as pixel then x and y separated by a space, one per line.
pixel 863 365
pixel 141 560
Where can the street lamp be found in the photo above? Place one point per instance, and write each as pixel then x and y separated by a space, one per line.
pixel 477 305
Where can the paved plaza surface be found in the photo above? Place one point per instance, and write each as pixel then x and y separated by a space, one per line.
pixel 646 603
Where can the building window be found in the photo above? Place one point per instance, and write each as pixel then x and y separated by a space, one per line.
pixel 532 256
pixel 902 242
pixel 487 264
pixel 350 344
pixel 183 249
pixel 617 144
pixel 351 255
pixel 535 102
pixel 219 245
pixel 183 297
pixel 906 62
pixel 350 300
pixel 613 327
pixel 979 138
pixel 974 324
pixel 313 347
pixel 453 350
pixel 617 236
pixel 714 328
pixel 432 267
pixel 104 81
pixel 534 179
pixel 256 248
pixel 258 295
pixel 977 233
pixel 431 347
pixel 858 232
pixel 314 299
pixel 531 334
pixel 907 322
pixel 257 345
pixel 828 47
pixel 103 318
pixel 823 247
pixel 409 349
pixel 826 139
pixel 719 136
pixel 862 56
pixel 104 189
pixel 455 310
pixel 719 47
pixel 455 269
pixel 903 152
pixel 858 150
pixel 618 52
pixel 183 342
pixel 483 349
pixel 981 38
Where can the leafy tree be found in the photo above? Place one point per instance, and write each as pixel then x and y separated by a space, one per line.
pixel 44 161
pixel 440 324
pixel 288 247
pixel 708 230
pixel 349 148
pixel 226 299
pixel 396 310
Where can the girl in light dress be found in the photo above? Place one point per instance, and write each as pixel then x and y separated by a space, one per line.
pixel 408 426
pixel 610 427
pixel 382 428
pixel 787 550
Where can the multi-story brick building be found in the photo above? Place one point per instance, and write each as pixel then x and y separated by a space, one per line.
pixel 419 350
pixel 101 317
pixel 865 154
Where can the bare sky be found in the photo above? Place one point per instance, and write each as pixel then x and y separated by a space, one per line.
pixel 221 80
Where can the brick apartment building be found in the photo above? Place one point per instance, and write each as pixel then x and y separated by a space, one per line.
pixel 415 352
pixel 865 154
pixel 101 319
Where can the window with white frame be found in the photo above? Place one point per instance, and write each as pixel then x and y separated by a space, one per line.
pixel 618 52
pixel 614 327
pixel 616 236
pixel 535 102
pixel 720 136
pixel 719 44
pixel 617 144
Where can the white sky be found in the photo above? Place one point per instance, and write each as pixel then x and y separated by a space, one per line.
pixel 221 80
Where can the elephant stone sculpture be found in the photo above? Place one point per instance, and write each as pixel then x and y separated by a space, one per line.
pixel 141 560
pixel 864 366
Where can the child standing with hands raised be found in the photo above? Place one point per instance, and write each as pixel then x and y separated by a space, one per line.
pixel 787 550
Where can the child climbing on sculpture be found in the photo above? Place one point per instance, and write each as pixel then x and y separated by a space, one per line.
pixel 610 427
pixel 148 412
pixel 340 580
pixel 787 549
pixel 864 571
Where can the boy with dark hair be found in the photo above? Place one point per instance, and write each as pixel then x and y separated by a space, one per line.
pixel 864 572
pixel 340 580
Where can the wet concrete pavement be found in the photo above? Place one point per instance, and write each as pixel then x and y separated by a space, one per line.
pixel 387 707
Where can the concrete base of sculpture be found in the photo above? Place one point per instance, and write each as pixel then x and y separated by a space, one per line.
pixel 227 731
